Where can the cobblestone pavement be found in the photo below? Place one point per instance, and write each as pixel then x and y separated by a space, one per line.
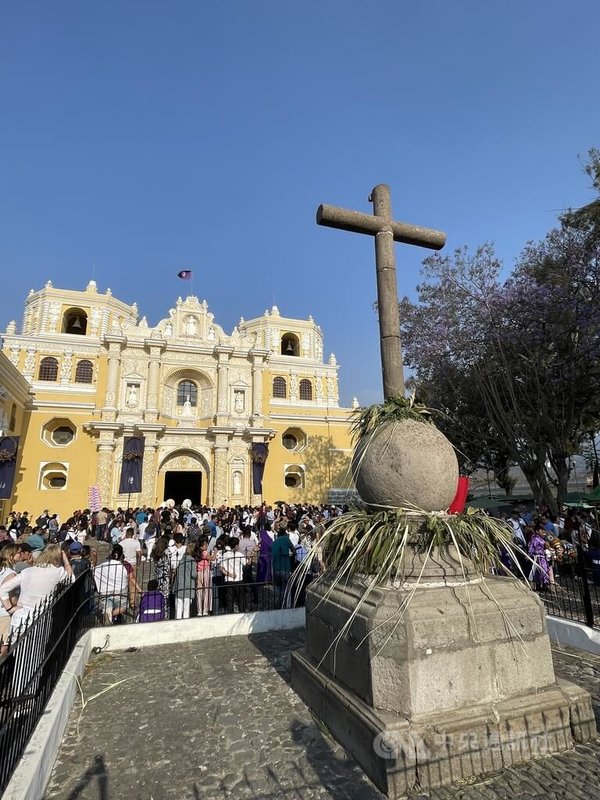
pixel 218 719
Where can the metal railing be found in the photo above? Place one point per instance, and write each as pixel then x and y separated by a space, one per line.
pixel 575 593
pixel 153 594
pixel 34 655
pixel 31 662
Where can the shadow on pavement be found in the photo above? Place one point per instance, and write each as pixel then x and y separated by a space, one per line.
pixel 339 774
pixel 98 773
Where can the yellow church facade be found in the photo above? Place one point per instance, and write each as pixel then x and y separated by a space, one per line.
pixel 197 399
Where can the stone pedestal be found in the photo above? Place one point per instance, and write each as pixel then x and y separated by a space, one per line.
pixel 456 683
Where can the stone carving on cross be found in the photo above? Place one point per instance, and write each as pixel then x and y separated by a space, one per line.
pixel 386 231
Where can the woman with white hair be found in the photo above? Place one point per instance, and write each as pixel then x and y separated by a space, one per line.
pixel 8 556
pixel 36 584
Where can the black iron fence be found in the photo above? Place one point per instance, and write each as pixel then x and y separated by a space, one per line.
pixel 34 655
pixel 575 592
pixel 152 592
pixel 31 662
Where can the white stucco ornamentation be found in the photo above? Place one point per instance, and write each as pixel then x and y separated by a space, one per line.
pixel 29 364
pixel 200 397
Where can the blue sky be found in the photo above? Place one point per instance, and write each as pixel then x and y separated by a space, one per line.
pixel 141 138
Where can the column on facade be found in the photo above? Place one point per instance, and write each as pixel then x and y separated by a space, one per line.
pixel 319 386
pixel 153 381
pixel 293 387
pixel 114 360
pixel 257 388
pixel 44 318
pixel 149 470
pixel 29 366
pixel 104 467
pixel 220 491
pixel 66 368
pixel 222 385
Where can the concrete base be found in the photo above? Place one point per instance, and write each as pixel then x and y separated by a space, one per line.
pixel 442 692
pixel 402 756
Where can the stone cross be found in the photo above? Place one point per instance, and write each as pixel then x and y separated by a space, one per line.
pixel 386 231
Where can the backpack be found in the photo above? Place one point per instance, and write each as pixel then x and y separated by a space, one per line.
pixel 193 533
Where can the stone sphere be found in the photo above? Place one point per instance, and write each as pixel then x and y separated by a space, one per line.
pixel 406 463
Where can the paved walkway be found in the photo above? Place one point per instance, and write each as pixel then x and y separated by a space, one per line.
pixel 218 719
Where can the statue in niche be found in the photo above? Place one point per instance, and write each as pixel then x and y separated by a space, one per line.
pixel 211 334
pixel 237 483
pixel 168 329
pixel 132 395
pixel 191 327
pixel 187 410
pixel 238 401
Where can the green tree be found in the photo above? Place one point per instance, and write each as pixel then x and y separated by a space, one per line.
pixel 512 365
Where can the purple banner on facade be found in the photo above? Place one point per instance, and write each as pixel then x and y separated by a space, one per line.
pixel 9 446
pixel 131 466
pixel 259 455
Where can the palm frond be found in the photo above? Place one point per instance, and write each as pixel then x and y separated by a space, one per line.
pixel 369 419
pixel 378 548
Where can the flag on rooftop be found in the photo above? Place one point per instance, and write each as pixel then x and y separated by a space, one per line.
pixel 185 274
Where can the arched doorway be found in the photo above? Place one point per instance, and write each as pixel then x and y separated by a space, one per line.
pixel 184 476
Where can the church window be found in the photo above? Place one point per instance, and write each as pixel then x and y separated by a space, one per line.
pixel 62 435
pixel 279 387
pixel 59 432
pixel 293 439
pixel 306 390
pixel 84 372
pixel 75 322
pixel 289 441
pixel 53 476
pixel 290 346
pixel 48 369
pixel 294 476
pixel 187 391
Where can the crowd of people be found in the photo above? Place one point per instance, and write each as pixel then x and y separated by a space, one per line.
pixel 546 545
pixel 169 562
pixel 174 562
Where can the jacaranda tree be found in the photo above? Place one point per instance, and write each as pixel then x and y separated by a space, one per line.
pixel 512 364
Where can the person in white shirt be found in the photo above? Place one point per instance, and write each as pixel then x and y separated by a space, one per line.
pixel 8 555
pixel 292 532
pixel 132 549
pixel 232 568
pixel 516 523
pixel 141 534
pixel 112 582
pixel 36 583
pixel 176 550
